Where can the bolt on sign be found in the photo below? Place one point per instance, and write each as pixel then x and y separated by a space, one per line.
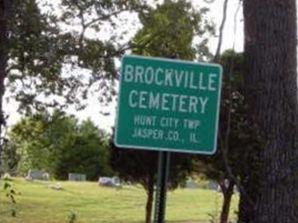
pixel 168 105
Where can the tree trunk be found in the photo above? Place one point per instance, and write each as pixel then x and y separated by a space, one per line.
pixel 227 197
pixel 270 50
pixel 5 6
pixel 150 193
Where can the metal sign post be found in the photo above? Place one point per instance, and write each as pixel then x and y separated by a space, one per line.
pixel 161 187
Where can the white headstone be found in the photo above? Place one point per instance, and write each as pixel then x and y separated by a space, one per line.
pixel 76 177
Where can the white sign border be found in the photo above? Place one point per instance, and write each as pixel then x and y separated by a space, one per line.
pixel 163 148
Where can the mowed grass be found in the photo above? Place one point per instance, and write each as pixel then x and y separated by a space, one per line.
pixel 38 203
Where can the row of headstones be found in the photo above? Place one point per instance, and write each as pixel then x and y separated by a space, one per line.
pixel 109 181
pixel 41 175
pixel 211 185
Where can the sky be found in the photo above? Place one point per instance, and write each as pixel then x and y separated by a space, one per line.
pixel 232 38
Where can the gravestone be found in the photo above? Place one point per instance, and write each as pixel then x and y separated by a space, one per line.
pixel 37 175
pixel 191 184
pixel 76 177
pixel 56 186
pixel 213 185
pixel 109 181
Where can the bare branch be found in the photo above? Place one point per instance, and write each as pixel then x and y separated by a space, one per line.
pixel 235 22
pixel 224 17
pixel 232 176
pixel 104 17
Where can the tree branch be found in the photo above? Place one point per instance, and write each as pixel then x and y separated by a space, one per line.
pixel 104 17
pixel 224 17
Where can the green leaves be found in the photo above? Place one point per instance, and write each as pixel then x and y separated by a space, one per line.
pixel 238 137
pixel 10 194
pixel 59 144
pixel 169 31
pixel 44 40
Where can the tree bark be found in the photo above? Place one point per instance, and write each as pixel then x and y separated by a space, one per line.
pixel 150 193
pixel 227 197
pixel 270 50
pixel 5 8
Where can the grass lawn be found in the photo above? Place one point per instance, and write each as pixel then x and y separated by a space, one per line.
pixel 38 203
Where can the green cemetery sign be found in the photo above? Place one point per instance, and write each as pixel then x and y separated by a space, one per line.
pixel 168 105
